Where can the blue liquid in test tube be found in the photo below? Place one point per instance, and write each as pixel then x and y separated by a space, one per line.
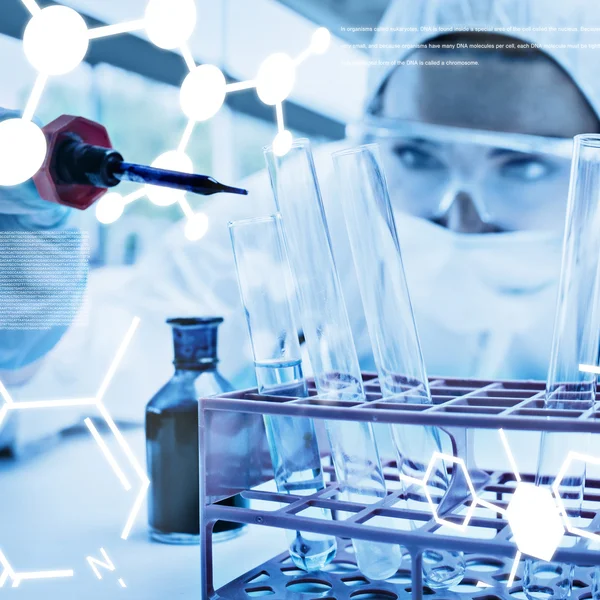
pixel 262 269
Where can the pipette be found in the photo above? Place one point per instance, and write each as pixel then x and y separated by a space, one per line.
pixel 81 165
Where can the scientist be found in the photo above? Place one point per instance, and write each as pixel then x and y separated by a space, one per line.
pixel 478 173
pixel 480 224
pixel 43 275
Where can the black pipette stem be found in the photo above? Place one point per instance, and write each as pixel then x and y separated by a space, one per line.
pixel 197 184
pixel 79 163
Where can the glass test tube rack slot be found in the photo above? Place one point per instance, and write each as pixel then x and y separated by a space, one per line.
pixel 228 469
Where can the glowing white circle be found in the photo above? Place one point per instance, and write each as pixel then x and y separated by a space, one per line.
pixel 22 151
pixel 321 39
pixel 282 143
pixel 196 227
pixel 172 161
pixel 203 92
pixel 56 40
pixel 275 79
pixel 109 208
pixel 170 23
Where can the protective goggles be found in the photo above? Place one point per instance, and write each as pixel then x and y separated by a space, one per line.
pixel 515 181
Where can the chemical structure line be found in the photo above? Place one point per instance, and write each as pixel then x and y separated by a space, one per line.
pixel 302 56
pixel 109 30
pixel 5 395
pixel 134 196
pixel 517 474
pixel 11 405
pixel 509 455
pixel 448 458
pixel 240 86
pixel 279 114
pixel 513 570
pixel 185 138
pixel 97 401
pixel 197 109
pixel 35 97
pixel 188 57
pixel 117 359
pixel 18 577
pixel 572 456
pixel 186 208
pixel 108 564
pixel 59 403
pixel 32 6
pixel 56 41
pixel 108 454
pixel 536 515
pixel 589 369
pixel 95 563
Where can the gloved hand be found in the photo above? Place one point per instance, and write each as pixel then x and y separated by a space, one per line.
pixel 43 273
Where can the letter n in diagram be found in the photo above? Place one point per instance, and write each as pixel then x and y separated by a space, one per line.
pixel 97 564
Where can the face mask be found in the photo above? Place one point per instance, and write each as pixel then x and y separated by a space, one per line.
pixel 480 283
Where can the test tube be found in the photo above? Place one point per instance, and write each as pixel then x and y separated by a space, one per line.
pixel 329 341
pixel 571 382
pixel 264 278
pixel 577 326
pixel 375 248
pixel 376 252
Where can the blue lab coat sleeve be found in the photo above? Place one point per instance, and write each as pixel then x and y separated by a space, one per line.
pixel 43 273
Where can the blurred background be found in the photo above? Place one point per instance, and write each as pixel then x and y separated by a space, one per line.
pixel 132 87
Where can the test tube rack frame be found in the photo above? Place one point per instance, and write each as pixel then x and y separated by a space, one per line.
pixel 232 441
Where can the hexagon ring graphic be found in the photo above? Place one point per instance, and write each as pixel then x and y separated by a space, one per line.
pixel 535 521
pixel 9 405
pixel 447 458
pixel 572 456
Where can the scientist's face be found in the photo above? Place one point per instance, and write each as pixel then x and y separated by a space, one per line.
pixel 473 188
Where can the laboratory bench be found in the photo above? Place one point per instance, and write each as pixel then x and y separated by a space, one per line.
pixel 62 506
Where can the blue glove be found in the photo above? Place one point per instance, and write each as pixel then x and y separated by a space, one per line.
pixel 43 273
